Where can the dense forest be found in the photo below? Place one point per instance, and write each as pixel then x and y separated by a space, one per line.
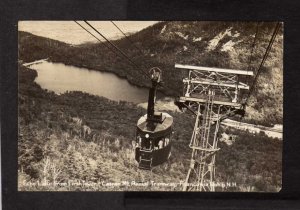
pixel 213 44
pixel 87 140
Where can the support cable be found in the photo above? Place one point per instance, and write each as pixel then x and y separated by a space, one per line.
pixel 119 50
pixel 263 60
pixel 141 51
pixel 131 42
pixel 107 46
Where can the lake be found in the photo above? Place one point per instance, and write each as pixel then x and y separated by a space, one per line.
pixel 60 78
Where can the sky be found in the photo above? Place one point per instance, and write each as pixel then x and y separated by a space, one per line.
pixel 71 33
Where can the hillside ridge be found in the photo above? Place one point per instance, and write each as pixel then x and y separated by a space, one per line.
pixel 75 142
pixel 213 44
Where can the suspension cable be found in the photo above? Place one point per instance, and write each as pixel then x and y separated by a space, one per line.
pixel 119 50
pixel 162 85
pixel 88 31
pixel 96 38
pixel 127 38
pixel 251 54
pixel 263 60
pixel 101 42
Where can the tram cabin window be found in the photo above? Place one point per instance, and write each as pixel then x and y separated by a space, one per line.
pixel 139 141
pixel 156 144
pixel 146 144
pixel 167 140
pixel 160 144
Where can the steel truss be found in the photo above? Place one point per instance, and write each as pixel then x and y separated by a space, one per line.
pixel 212 95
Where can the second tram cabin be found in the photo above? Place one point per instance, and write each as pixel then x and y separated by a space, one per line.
pixel 153 141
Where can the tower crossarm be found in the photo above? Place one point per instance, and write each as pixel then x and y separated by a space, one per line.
pixel 200 100
pixel 213 69
pixel 240 85
pixel 228 84
pixel 205 149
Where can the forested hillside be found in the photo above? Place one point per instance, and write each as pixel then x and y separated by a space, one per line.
pixel 77 141
pixel 213 44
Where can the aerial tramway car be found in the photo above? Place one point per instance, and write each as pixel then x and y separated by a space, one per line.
pixel 154 129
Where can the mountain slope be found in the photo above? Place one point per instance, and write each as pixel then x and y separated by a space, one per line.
pixel 54 155
pixel 214 44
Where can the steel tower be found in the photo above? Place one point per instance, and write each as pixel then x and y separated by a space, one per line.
pixel 211 94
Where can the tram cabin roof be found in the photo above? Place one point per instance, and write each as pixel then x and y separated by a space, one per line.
pixel 159 129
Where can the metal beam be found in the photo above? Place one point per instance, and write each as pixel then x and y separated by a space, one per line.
pixel 240 86
pixel 235 105
pixel 228 71
pixel 205 149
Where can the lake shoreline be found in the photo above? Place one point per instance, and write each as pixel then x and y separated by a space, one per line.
pixel 101 70
pixel 60 78
pixel 83 67
pixel 161 102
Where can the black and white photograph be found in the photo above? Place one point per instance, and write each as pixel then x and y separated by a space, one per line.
pixel 150 105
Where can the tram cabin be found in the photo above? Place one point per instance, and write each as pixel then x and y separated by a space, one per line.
pixel 153 141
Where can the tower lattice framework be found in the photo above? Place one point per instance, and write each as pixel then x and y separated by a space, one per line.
pixel 211 94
